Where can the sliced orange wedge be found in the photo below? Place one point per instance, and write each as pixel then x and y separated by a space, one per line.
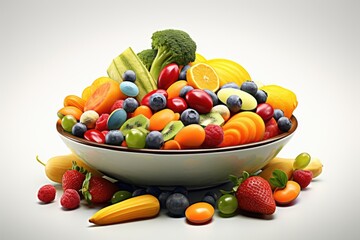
pixel 203 76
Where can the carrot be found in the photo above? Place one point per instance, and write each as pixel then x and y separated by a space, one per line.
pixel 232 137
pixel 190 136
pixel 241 127
pixel 171 145
pixel 144 110
pixel 70 110
pixel 259 123
pixel 104 97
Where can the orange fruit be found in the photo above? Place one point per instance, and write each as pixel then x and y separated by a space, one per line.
pixel 281 98
pixel 203 76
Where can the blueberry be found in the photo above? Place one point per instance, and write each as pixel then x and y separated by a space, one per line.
pixel 234 103
pixel 129 75
pixel 212 194
pixel 249 87
pixel 157 101
pixel 209 199
pixel 124 186
pixel 184 90
pixel 261 96
pixel 278 113
pixel 181 189
pixel 79 129
pixel 139 192
pixel 213 96
pixel 190 116
pixel 163 197
pixel 176 204
pixel 130 104
pixel 152 190
pixel 284 124
pixel 230 85
pixel 182 75
pixel 114 137
pixel 154 140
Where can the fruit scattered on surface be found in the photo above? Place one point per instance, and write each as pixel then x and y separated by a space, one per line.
pixel 199 213
pixel 302 177
pixel 70 199
pixel 46 193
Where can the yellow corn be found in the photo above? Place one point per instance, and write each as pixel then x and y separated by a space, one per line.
pixel 139 207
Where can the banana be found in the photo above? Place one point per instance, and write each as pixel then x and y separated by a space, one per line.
pixel 315 166
pixel 135 208
pixel 284 164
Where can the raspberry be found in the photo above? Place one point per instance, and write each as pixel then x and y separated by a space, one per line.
pixel 302 177
pixel 70 199
pixel 47 193
pixel 214 135
pixel 117 104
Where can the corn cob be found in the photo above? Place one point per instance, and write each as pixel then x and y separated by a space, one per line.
pixel 140 207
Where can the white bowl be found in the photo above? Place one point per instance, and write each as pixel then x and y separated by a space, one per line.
pixel 191 168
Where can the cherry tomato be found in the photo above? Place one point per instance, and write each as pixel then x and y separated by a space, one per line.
pixel 145 100
pixel 168 75
pixel 199 100
pixel 94 135
pixel 265 111
pixel 177 104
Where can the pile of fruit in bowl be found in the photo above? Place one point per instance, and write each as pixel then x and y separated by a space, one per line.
pixel 167 116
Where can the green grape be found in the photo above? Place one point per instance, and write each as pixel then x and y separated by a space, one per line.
pixel 302 160
pixel 135 138
pixel 227 204
pixel 67 122
pixel 120 196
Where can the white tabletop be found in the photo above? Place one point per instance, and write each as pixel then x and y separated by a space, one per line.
pixel 49 49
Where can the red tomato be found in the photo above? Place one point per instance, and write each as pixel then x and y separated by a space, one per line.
pixel 199 100
pixel 94 135
pixel 145 100
pixel 177 104
pixel 168 75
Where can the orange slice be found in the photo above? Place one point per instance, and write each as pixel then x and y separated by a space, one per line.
pixel 203 76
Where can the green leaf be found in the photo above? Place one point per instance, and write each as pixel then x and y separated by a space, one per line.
pixel 279 179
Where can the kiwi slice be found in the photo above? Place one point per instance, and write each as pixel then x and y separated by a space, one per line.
pixel 139 121
pixel 211 118
pixel 171 129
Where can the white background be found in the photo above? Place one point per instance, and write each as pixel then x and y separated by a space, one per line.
pixel 49 49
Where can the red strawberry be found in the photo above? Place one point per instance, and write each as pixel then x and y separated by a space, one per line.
pixel 271 129
pixel 73 178
pixel 97 189
pixel 254 195
pixel 302 177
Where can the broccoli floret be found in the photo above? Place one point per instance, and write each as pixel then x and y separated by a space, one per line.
pixel 173 46
pixel 147 57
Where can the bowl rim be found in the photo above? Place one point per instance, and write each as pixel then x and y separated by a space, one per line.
pixel 80 140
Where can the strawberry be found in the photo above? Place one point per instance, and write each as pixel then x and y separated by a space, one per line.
pixel 97 189
pixel 254 195
pixel 302 177
pixel 73 178
pixel 271 129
